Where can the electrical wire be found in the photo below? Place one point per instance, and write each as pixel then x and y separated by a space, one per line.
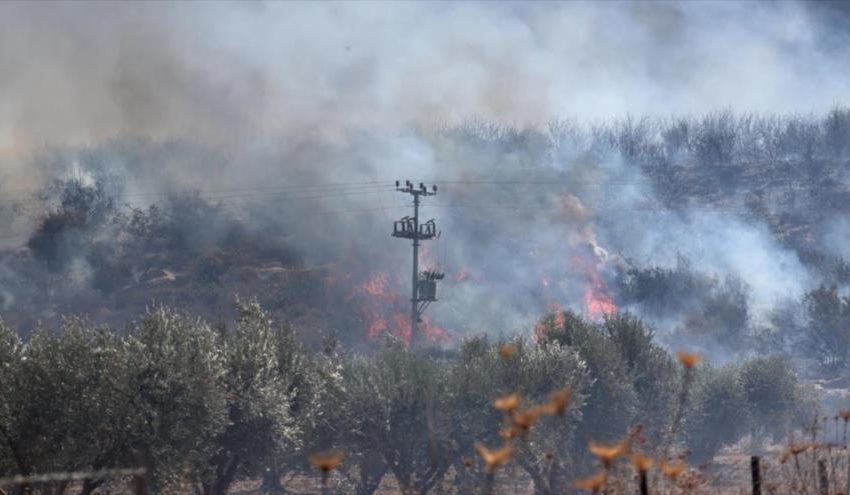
pixel 324 192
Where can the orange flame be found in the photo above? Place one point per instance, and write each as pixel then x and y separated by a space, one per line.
pixel 402 327
pixel 375 286
pixel 598 302
pixel 558 310
pixel 376 327
pixel 432 332
pixel 381 310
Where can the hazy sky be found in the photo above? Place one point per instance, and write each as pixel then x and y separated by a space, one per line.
pixel 78 72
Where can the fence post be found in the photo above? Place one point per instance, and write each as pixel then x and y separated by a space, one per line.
pixel 140 485
pixel 823 479
pixel 140 480
pixel 755 469
pixel 847 489
pixel 644 484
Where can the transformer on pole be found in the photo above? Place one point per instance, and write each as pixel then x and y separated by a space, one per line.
pixel 424 284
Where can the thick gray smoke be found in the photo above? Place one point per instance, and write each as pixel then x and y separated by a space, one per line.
pixel 235 99
pixel 235 73
pixel 241 75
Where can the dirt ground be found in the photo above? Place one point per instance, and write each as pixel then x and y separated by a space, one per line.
pixel 727 475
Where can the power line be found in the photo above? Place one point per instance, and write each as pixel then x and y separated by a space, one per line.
pixel 319 213
pixel 260 187
pixel 31 195
pixel 326 190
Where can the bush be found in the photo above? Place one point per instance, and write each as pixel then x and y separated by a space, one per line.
pixel 12 440
pixel 68 230
pixel 612 401
pixel 724 315
pixel 654 374
pixel 772 391
pixel 719 414
pixel 72 385
pixel 533 371
pixel 395 406
pixel 828 327
pixel 758 397
pixel 209 268
pixel 258 395
pixel 665 291
pixel 177 369
pixel 207 406
pixel 837 132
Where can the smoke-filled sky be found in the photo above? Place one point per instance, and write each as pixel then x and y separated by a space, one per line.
pixel 324 92
pixel 75 72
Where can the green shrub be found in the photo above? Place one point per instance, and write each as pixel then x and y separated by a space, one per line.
pixel 828 327
pixel 719 414
pixel 757 397
pixel 12 403
pixel 395 409
pixel 653 372
pixel 772 390
pixel 533 371
pixel 612 401
pixel 177 370
pixel 74 385
pixel 258 395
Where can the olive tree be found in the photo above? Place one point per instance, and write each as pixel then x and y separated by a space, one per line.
pixel 66 401
pixel 650 369
pixel 718 414
pixel 257 398
pixel 612 401
pixel 827 335
pixel 395 404
pixel 12 455
pixel 313 387
pixel 177 370
pixel 773 391
pixel 757 397
pixel 472 389
pixel 485 371
pixel 535 371
pixel 362 469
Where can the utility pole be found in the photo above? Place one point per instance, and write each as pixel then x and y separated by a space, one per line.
pixel 424 286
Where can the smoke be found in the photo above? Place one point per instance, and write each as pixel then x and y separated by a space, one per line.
pixel 834 236
pixel 251 103
pixel 242 75
pixel 226 73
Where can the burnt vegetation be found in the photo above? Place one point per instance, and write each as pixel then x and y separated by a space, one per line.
pixel 101 256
